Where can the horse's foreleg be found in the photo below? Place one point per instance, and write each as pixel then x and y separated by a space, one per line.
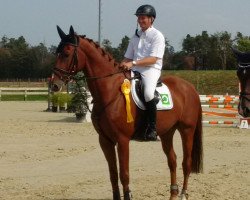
pixel 187 145
pixel 108 149
pixel 123 153
pixel 167 145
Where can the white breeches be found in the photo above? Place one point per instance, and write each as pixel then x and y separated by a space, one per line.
pixel 150 77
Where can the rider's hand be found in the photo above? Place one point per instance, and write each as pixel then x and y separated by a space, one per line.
pixel 126 65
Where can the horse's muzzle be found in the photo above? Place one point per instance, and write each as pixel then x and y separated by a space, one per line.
pixel 57 86
pixel 244 111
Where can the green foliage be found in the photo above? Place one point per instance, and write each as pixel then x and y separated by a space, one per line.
pixel 244 44
pixel 19 60
pixel 210 51
pixel 117 53
pixel 63 99
pixel 60 99
pixel 79 103
pixel 54 99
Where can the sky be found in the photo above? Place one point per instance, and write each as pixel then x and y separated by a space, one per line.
pixel 36 20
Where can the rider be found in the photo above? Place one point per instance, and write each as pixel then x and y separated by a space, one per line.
pixel 144 55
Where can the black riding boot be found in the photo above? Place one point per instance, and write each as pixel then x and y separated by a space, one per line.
pixel 151 134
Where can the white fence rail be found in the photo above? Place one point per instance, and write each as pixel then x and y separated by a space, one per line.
pixel 23 91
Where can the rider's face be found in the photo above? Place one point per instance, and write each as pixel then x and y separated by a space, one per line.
pixel 144 21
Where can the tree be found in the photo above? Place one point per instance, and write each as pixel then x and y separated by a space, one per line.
pixel 168 56
pixel 224 43
pixel 117 53
pixel 243 44
pixel 209 51
pixel 107 45
pixel 19 60
pixel 79 101
pixel 121 49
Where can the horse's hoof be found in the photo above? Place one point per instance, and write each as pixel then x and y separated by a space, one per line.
pixel 184 196
pixel 173 197
pixel 116 195
pixel 128 195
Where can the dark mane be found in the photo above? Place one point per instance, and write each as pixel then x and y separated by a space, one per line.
pixel 102 51
pixel 68 39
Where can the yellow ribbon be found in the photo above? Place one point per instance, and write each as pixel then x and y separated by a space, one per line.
pixel 125 87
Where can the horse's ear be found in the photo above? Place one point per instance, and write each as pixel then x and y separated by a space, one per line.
pixel 71 31
pixel 60 32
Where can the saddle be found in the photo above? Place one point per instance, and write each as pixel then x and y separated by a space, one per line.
pixel 162 94
pixel 139 88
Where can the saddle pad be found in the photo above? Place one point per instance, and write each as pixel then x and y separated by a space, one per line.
pixel 165 102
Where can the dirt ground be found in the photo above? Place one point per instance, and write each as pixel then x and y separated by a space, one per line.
pixel 49 156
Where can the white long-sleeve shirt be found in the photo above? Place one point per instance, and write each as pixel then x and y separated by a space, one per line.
pixel 151 43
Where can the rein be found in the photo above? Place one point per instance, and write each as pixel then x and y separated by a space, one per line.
pixel 243 96
pixel 105 76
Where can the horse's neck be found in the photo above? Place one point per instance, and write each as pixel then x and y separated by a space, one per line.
pixel 103 90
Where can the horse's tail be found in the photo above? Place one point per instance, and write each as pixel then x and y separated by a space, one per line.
pixel 197 151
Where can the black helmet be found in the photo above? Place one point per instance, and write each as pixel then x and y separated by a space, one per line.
pixel 146 10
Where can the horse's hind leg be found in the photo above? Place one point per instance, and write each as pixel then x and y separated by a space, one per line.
pixel 108 148
pixel 167 145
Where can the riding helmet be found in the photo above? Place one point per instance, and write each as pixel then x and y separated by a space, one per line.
pixel 146 10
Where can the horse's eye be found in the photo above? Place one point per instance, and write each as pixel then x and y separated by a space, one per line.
pixel 65 54
pixel 62 55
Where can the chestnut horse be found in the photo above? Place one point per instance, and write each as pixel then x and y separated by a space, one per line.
pixel 109 117
pixel 243 74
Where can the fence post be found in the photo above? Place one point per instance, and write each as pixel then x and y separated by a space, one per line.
pixel 49 96
pixel 25 95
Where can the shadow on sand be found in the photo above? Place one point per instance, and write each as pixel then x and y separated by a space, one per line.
pixel 65 120
pixel 80 199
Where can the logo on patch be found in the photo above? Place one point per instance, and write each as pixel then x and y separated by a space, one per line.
pixel 165 99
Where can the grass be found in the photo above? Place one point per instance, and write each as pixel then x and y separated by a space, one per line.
pixel 23 84
pixel 22 98
pixel 210 82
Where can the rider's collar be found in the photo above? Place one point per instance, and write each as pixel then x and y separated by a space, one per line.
pixel 145 33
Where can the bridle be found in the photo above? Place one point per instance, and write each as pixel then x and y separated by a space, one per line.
pixel 67 75
pixel 243 95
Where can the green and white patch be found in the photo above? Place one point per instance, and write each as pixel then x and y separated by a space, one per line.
pixel 165 99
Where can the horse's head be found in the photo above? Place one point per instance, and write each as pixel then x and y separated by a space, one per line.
pixel 67 62
pixel 243 74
